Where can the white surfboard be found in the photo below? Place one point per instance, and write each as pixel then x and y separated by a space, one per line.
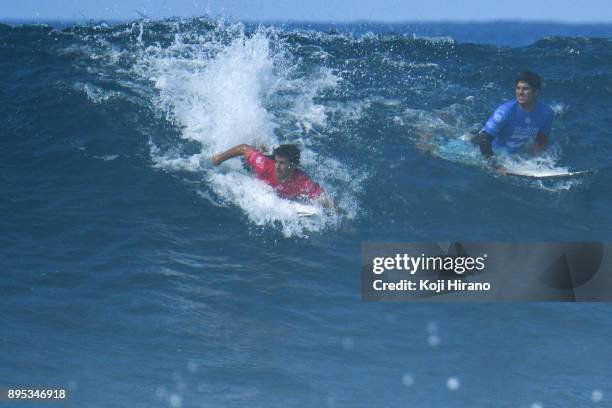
pixel 549 174
pixel 305 210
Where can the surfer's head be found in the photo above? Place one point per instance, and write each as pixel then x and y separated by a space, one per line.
pixel 530 78
pixel 528 85
pixel 286 160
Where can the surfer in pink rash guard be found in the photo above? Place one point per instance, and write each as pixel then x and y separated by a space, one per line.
pixel 282 172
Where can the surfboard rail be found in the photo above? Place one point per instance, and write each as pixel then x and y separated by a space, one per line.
pixel 550 175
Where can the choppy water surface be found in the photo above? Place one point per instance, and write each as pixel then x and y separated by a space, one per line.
pixel 136 274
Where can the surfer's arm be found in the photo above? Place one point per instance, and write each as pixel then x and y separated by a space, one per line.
pixel 243 150
pixel 485 142
pixel 326 202
pixel 540 143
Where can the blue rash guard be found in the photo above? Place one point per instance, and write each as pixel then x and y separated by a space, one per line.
pixel 512 127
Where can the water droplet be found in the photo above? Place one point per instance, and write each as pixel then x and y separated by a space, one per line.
pixel 453 383
pixel 433 340
pixel 407 380
pixel 175 401
pixel 597 396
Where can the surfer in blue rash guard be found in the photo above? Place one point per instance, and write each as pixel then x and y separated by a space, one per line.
pixel 517 123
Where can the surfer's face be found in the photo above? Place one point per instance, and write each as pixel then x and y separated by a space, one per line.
pixel 525 94
pixel 283 167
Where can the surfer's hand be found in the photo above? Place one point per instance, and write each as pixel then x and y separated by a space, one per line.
pixel 216 160
pixel 327 203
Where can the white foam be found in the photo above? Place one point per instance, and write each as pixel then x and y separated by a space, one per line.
pixel 434 39
pixel 94 93
pixel 543 165
pixel 559 108
pixel 218 100
pixel 109 157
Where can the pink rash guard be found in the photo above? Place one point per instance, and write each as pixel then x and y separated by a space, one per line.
pixel 298 185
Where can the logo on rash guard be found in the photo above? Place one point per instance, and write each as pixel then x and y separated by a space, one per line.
pixel 527 120
pixel 259 160
pixel 498 116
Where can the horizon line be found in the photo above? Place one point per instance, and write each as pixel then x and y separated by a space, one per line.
pixel 39 20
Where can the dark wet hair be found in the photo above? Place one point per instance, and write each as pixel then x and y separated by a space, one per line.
pixel 531 78
pixel 288 151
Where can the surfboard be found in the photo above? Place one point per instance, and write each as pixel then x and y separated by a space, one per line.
pixel 305 210
pixel 549 174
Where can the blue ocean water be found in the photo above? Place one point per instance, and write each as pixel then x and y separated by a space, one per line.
pixel 137 275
